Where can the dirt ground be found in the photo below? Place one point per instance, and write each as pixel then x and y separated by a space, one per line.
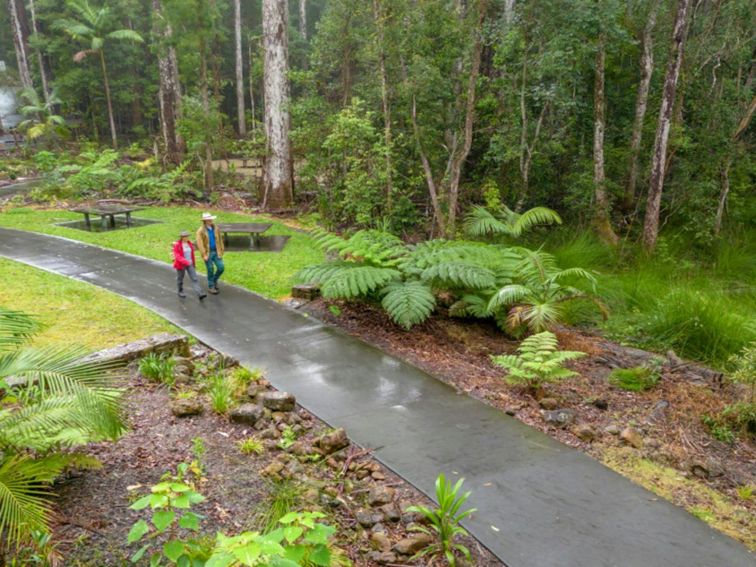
pixel 679 460
pixel 94 516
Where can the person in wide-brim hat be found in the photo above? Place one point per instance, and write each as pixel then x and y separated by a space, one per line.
pixel 184 263
pixel 210 246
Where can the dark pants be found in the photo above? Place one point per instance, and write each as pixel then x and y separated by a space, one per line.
pixel 192 276
pixel 215 269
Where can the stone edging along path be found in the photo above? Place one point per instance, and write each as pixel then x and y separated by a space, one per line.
pixel 540 503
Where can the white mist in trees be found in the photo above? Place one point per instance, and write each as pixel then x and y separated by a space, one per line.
pixel 277 176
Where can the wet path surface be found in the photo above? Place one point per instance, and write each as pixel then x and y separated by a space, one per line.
pixel 540 503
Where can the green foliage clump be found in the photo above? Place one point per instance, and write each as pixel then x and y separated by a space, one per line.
pixel 251 445
pixel 719 428
pixel 481 222
pixel 221 392
pixel 444 521
pixel 538 361
pixel 57 401
pixel 158 368
pixel 636 379
pixel 172 533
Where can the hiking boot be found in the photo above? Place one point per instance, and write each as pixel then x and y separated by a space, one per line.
pixel 181 294
pixel 201 297
pixel 213 290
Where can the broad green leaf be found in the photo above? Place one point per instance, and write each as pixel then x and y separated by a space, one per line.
pixel 292 533
pixel 163 518
pixel 190 521
pixel 321 556
pixel 173 549
pixel 139 554
pixel 138 531
pixel 142 503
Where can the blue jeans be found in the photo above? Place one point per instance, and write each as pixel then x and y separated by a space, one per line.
pixel 215 268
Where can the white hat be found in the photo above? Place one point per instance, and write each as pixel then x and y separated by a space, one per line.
pixel 207 216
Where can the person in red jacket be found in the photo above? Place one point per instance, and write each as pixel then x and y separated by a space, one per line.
pixel 183 262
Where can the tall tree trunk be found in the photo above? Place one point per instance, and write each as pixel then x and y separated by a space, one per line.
pixel 40 59
pixel 509 11
pixel 387 137
pixel 278 175
pixel 111 117
pixel 20 34
pixel 168 93
pixel 641 104
pixel 204 93
pixel 455 171
pixel 239 71
pixel 659 157
pixel 252 91
pixel 601 212
pixel 303 19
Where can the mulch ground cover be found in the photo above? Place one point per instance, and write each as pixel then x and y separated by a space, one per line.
pixel 365 501
pixel 667 418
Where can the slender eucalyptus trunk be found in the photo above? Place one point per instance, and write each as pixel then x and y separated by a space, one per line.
pixel 168 93
pixel 303 19
pixel 641 104
pixel 455 171
pixel 252 91
pixel 278 174
pixel 601 211
pixel 40 59
pixel 659 157
pixel 20 42
pixel 239 70
pixel 387 136
pixel 111 118
pixel 204 93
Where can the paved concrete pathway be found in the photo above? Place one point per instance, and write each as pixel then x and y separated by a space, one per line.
pixel 541 503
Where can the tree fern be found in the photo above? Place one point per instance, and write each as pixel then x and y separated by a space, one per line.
pixel 374 247
pixel 357 281
pixel 538 361
pixel 408 303
pixel 328 241
pixel 459 275
pixel 480 222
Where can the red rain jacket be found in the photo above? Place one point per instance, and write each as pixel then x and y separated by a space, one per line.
pixel 179 261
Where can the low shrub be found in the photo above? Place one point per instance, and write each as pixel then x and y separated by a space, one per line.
pixel 538 361
pixel 636 379
pixel 221 392
pixel 251 445
pixel 158 368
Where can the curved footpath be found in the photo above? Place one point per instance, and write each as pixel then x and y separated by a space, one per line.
pixel 540 503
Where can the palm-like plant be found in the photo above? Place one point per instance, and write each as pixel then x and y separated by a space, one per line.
pixel 445 521
pixel 52 399
pixel 40 120
pixel 480 222
pixel 536 295
pixel 94 26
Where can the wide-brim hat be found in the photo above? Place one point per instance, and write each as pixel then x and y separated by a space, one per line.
pixel 207 216
pixel 184 233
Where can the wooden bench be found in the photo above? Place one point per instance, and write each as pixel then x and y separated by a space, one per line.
pixel 252 228
pixel 107 214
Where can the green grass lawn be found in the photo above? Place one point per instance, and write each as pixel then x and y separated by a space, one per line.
pixel 267 273
pixel 73 312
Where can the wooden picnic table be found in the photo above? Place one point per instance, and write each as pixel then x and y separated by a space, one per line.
pixel 254 229
pixel 106 213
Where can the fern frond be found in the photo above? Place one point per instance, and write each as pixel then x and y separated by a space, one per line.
pixel 357 280
pixel 15 328
pixel 459 275
pixel 375 247
pixel 408 303
pixel 470 305
pixel 327 241
pixel 24 497
pixel 480 222
pixel 320 273
pixel 534 217
pixel 508 295
pixel 574 273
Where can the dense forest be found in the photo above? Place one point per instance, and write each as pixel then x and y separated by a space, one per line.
pixel 625 116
